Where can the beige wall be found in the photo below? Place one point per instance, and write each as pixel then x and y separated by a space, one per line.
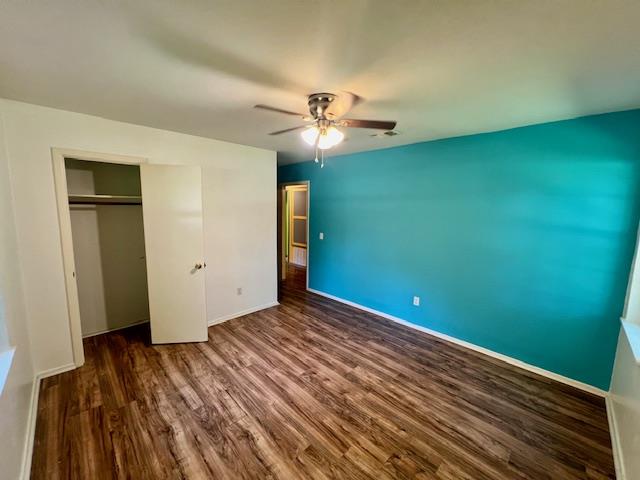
pixel 15 399
pixel 239 201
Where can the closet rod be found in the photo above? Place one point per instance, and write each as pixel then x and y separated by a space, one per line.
pixel 105 200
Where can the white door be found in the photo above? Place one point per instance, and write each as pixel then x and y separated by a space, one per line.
pixel 173 233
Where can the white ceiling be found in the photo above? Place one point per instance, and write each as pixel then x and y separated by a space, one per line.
pixel 440 68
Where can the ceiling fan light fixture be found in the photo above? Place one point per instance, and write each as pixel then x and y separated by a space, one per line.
pixel 310 135
pixel 327 111
pixel 330 138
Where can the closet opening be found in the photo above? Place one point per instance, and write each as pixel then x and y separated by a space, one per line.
pixel 107 231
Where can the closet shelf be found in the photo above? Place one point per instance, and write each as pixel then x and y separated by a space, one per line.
pixel 105 200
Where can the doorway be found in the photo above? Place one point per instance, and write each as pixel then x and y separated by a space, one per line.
pixel 124 267
pixel 294 234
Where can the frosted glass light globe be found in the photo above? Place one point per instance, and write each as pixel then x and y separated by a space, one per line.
pixel 310 135
pixel 330 138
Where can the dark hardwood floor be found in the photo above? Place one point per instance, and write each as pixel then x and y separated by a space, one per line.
pixel 311 389
pixel 296 279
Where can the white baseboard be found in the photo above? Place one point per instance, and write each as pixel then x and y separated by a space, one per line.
pixel 33 416
pixel 55 371
pixel 31 430
pixel 615 439
pixel 510 360
pixel 215 321
pixel 146 320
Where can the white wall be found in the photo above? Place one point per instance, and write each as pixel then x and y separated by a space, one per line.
pixel 624 395
pixel 15 399
pixel 239 189
pixel 625 403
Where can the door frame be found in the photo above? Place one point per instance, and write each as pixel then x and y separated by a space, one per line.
pixel 283 213
pixel 58 156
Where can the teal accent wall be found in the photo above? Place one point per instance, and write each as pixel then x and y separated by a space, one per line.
pixel 519 241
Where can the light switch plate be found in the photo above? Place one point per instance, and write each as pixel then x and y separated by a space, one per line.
pixel 321 236
pixel 416 301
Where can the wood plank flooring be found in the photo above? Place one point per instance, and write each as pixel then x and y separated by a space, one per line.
pixel 311 389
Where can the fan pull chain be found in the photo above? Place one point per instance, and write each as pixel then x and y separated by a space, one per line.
pixel 316 160
pixel 322 159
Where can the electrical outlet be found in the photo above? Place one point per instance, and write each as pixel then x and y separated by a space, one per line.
pixel 321 236
pixel 416 301
pixel 239 290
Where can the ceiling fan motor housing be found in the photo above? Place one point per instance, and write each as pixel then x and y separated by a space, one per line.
pixel 318 104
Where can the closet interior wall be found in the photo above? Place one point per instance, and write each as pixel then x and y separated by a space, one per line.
pixel 108 246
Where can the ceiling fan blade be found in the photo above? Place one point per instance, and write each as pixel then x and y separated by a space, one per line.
pixel 342 104
pixel 377 124
pixel 280 110
pixel 288 130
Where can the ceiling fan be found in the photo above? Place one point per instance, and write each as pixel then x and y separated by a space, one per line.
pixel 327 111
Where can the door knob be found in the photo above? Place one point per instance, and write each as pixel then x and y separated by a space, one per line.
pixel 198 266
